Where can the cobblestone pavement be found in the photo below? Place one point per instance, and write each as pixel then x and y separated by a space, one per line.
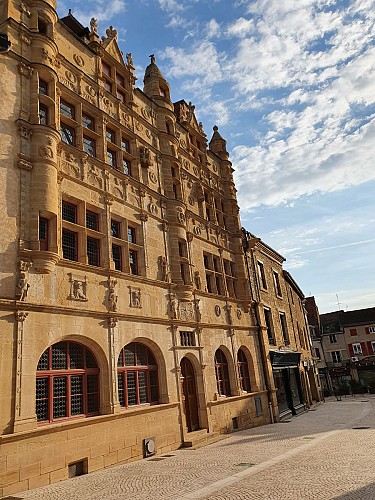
pixel 317 455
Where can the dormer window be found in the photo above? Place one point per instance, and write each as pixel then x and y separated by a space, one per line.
pixel 162 92
pixel 106 69
pixel 114 82
pixel 120 80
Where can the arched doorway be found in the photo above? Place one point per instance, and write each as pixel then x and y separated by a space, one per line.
pixel 189 390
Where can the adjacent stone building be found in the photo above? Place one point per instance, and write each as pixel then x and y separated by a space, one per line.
pixel 129 320
pixel 284 332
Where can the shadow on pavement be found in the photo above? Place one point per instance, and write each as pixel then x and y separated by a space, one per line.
pixel 365 493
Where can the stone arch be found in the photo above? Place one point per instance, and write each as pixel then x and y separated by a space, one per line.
pixel 200 386
pixel 250 364
pixel 100 357
pixel 231 368
pixel 160 360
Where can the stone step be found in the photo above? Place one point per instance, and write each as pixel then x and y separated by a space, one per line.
pixel 200 438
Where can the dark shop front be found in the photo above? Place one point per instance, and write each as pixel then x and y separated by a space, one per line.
pixel 287 382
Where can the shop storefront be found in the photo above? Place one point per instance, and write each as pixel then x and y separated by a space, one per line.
pixel 287 382
pixel 340 376
pixel 366 372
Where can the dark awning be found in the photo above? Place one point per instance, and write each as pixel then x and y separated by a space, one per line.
pixel 283 359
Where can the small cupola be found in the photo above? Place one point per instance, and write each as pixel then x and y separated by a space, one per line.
pixel 155 85
pixel 218 145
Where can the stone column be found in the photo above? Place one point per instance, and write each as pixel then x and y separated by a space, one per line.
pixel 113 402
pixel 24 401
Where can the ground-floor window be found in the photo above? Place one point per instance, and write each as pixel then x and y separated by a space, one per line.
pixel 67 383
pixel 137 376
pixel 243 371
pixel 222 373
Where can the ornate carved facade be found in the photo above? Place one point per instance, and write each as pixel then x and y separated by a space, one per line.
pixel 125 304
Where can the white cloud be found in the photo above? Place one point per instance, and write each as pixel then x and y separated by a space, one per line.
pixel 100 10
pixel 240 28
pixel 171 6
pixel 212 29
pixel 201 61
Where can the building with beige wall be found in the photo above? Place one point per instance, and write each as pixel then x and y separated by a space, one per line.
pixel 128 321
pixel 284 332
pixel 127 325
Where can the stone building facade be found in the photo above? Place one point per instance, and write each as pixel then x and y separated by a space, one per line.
pixel 125 310
pixel 128 325
pixel 284 332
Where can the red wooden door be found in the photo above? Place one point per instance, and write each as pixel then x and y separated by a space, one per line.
pixel 189 390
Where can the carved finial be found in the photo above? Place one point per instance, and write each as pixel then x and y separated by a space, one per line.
pixel 215 128
pixel 129 59
pixel 94 25
pixel 70 12
pixel 111 33
pixel 152 56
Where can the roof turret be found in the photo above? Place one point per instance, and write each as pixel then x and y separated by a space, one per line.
pixel 155 85
pixel 218 145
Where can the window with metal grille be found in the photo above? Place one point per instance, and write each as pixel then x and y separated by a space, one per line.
pixel 43 87
pixel 268 319
pixel 69 212
pixel 243 371
pixel 127 166
pixel 214 274
pixel 284 328
pixel 125 146
pixel 43 233
pixel 222 373
pixel 131 235
pixel 43 114
pixel 69 244
pixel 89 146
pixel 137 376
pixel 276 280
pixel 187 339
pixel 68 134
pixel 262 275
pixel 111 158
pixel 88 121
pixel 110 135
pixel 133 261
pixel 92 220
pixel 67 109
pixel 115 229
pixel 67 383
pixel 77 468
pixel 93 255
pixel 117 257
pixel 230 278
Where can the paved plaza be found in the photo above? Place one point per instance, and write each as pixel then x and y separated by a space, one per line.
pixel 325 453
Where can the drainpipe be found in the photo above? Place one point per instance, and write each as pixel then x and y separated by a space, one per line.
pixel 263 353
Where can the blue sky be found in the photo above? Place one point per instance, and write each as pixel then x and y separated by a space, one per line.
pixel 291 86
